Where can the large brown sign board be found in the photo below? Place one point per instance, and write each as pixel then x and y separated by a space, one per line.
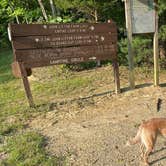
pixel 38 45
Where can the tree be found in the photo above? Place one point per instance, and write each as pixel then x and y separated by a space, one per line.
pixel 43 10
pixel 52 8
pixel 94 10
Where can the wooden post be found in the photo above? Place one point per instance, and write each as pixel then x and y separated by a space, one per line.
pixel 26 84
pixel 155 47
pixel 116 76
pixel 129 37
pixel 98 63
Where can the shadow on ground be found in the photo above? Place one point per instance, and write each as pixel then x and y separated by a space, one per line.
pixel 123 90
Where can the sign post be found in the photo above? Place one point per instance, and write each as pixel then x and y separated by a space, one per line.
pixel 155 48
pixel 129 38
pixel 26 84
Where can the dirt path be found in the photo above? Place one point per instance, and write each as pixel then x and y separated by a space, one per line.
pixel 94 131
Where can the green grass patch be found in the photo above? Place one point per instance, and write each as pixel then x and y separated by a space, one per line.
pixel 7 128
pixel 61 86
pixel 11 92
pixel 5 66
pixel 27 149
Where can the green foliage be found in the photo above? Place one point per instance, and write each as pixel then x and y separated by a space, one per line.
pixel 93 10
pixel 65 5
pixel 77 11
pixel 142 50
pixel 59 19
pixel 122 52
pixel 162 6
pixel 162 33
pixel 28 149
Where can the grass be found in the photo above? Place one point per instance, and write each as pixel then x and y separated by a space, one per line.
pixel 8 128
pixel 27 149
pixel 5 66
pixel 23 148
pixel 61 86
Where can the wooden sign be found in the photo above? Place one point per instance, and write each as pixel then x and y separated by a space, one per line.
pixel 37 45
pixel 143 16
pixel 41 45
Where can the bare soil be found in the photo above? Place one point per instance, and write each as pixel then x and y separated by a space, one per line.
pixel 94 130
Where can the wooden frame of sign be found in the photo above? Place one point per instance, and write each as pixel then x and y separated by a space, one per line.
pixel 142 18
pixel 38 45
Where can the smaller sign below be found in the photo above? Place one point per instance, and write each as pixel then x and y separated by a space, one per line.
pixel 143 16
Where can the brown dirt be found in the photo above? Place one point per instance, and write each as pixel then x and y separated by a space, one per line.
pixel 94 131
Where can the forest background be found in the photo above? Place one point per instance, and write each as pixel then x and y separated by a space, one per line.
pixel 58 11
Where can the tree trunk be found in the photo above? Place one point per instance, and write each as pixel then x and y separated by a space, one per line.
pixel 52 8
pixel 96 20
pixel 26 20
pixel 12 8
pixel 43 10
pixel 18 22
pixel 96 16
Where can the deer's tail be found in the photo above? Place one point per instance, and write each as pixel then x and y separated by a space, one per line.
pixel 136 139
